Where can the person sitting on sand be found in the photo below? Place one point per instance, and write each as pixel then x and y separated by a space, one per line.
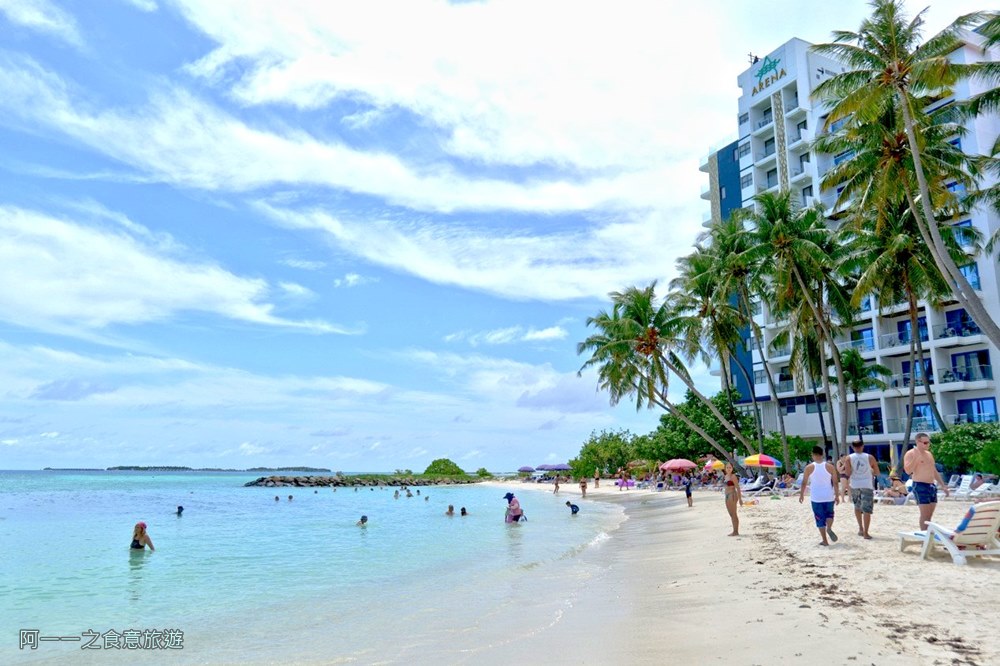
pixel 573 508
pixel 363 522
pixel 514 512
pixel 824 492
pixel 896 487
pixel 450 511
pixel 464 512
pixel 140 539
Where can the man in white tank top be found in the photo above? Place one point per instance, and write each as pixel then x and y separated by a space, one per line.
pixel 862 468
pixel 823 482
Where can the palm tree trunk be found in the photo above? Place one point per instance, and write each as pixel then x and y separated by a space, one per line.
pixel 822 421
pixel 829 397
pixel 758 420
pixel 834 352
pixel 857 419
pixel 913 398
pixel 915 335
pixel 962 290
pixel 733 430
pixel 759 339
pixel 672 409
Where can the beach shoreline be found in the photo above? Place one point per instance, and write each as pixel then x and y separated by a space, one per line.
pixel 678 588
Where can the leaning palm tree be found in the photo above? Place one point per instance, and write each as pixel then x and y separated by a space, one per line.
pixel 893 265
pixel 634 350
pixel 796 245
pixel 887 64
pixel 859 377
pixel 706 320
pixel 738 276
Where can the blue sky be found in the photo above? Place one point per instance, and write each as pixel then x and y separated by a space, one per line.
pixel 351 235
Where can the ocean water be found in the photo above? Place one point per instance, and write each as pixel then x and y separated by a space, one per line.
pixel 251 580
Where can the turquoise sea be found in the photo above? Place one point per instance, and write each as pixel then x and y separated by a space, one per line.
pixel 247 579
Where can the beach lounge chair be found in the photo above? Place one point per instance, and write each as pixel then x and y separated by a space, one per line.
pixel 975 535
pixel 964 488
pixel 985 490
pixel 954 481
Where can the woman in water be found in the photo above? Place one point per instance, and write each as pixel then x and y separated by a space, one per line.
pixel 733 495
pixel 139 537
pixel 514 511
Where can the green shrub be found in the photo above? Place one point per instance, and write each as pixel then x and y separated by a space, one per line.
pixel 956 448
pixel 988 458
pixel 483 472
pixel 443 466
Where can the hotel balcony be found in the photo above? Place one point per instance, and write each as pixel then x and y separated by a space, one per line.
pixel 902 381
pixel 862 345
pixel 953 336
pixel 763 125
pixel 957 419
pixel 897 343
pixel 797 172
pixel 785 386
pixel 957 378
pixel 920 424
pixel 874 428
pixel 706 192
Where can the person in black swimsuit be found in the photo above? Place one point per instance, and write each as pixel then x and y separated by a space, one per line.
pixel 140 539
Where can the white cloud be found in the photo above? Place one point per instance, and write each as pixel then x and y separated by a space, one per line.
pixel 8 442
pixel 49 435
pixel 295 290
pixel 144 5
pixel 304 264
pixel 251 449
pixel 581 263
pixel 65 277
pixel 43 16
pixel 183 140
pixel 508 335
pixel 353 280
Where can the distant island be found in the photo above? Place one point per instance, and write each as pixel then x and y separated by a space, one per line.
pixel 171 468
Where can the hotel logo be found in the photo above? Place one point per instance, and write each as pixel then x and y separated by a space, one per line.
pixel 769 66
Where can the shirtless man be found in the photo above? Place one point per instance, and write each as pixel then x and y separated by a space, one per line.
pixel 919 464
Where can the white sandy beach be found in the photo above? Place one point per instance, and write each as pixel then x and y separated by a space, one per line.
pixel 678 590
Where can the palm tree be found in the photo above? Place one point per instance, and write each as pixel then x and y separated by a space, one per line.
pixel 859 377
pixel 893 265
pixel 888 64
pixel 738 276
pixel 797 246
pixel 706 319
pixel 634 351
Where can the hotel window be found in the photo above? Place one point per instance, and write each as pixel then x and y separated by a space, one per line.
pixel 928 371
pixel 722 191
pixel 754 307
pixel 959 323
pixel 863 340
pixel 903 330
pixel 746 181
pixel 769 147
pixel 972 366
pixel 807 192
pixel 871 419
pixel 804 159
pixel 843 157
pixel 759 377
pixel 956 188
pixel 977 410
pixel 768 117
pixel 801 130
pixel 811 406
pixel 744 118
pixel 962 231
pixel 923 417
pixel 744 149
pixel 971 273
pixel 772 178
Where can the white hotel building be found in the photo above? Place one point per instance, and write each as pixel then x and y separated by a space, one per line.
pixel 777 120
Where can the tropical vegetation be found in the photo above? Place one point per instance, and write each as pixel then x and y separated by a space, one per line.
pixel 890 241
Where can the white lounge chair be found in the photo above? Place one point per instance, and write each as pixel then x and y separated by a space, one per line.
pixel 975 535
pixel 985 490
pixel 964 488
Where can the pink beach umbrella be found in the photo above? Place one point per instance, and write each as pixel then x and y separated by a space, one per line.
pixel 678 465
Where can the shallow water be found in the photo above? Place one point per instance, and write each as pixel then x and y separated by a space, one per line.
pixel 247 578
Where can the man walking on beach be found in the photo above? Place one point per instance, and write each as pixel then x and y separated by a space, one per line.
pixel 862 467
pixel 919 464
pixel 824 483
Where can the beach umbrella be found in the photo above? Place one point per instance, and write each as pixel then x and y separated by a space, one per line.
pixel 637 463
pixel 761 460
pixel 543 468
pixel 678 465
pixel 561 467
pixel 715 465
pixel 525 469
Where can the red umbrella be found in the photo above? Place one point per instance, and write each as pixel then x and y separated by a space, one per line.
pixel 678 465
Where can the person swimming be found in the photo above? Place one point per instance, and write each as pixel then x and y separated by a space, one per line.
pixel 363 522
pixel 180 510
pixel 277 499
pixel 140 539
pixel 574 509
pixel 464 512
pixel 450 511
pixel 289 498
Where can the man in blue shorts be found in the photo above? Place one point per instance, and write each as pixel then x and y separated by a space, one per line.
pixel 919 464
pixel 823 481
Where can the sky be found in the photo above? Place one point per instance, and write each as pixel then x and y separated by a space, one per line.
pixel 352 235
